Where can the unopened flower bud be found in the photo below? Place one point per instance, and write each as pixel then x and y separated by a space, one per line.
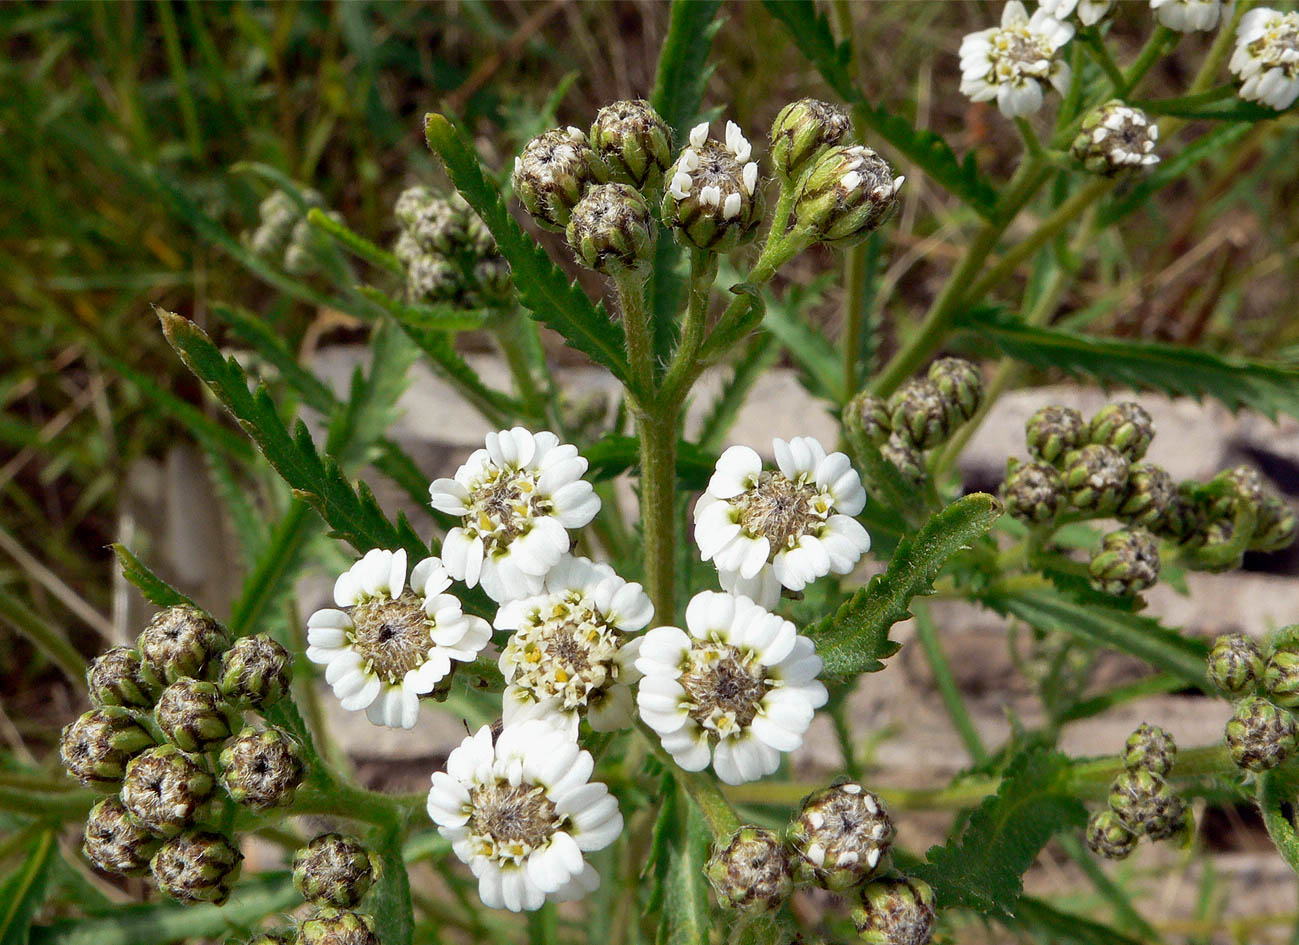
pixel 180 641
pixel 610 229
pixel 919 412
pixel 904 456
pixel 1095 478
pixel 1152 748
pixel 553 173
pixel 1106 836
pixel 1033 492
pixel 114 842
pixel 634 142
pixel 1151 491
pixel 1114 138
pixel 430 278
pixel 1260 735
pixel 751 872
pixel 255 672
pixel 199 866
pixel 97 748
pixel 960 383
pixel 434 223
pixel 1054 432
pixel 193 716
pixel 870 415
pixel 492 279
pixel 1275 525
pixel 333 870
pixel 1184 518
pixel 1124 426
pixel 1145 804
pixel 1216 541
pixel 262 770
pixel 333 927
pixel 1281 672
pixel 286 936
pixel 802 131
pixel 164 789
pixel 850 192
pixel 1231 487
pixel 1235 664
pixel 114 678
pixel 841 837
pixel 711 197
pixel 895 912
pixel 1127 564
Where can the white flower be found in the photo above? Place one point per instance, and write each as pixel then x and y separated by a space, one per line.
pixel 1266 59
pixel 764 529
pixel 517 498
pixel 739 689
pixel 1013 62
pixel 522 812
pixel 388 646
pixel 569 653
pixel 1186 16
pixel 1088 12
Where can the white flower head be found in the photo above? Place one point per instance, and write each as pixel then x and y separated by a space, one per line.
pixel 570 653
pixel 1187 16
pixel 389 644
pixel 765 529
pixel 1088 12
pixel 1266 59
pixel 522 812
pixel 1013 63
pixel 517 498
pixel 737 690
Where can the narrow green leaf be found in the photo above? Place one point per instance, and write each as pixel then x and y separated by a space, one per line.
pixel 685 917
pixel 762 352
pixel 23 891
pixel 154 588
pixel 542 286
pixel 856 637
pixel 390 902
pixel 1278 799
pixel 1061 928
pixel 354 242
pixel 426 317
pixel 821 365
pixel 614 454
pixel 981 868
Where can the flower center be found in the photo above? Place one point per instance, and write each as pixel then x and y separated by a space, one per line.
pixel 568 654
pixel 392 636
pixel 724 687
pixel 1018 53
pixel 1278 48
pixel 781 510
pixel 502 505
pixel 510 821
pixel 717 168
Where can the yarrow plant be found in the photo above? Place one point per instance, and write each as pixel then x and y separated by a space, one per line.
pixel 660 730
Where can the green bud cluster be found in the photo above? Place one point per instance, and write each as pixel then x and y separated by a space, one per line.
pixel 447 252
pixel 895 911
pixel 849 192
pixel 1260 735
pixel 1115 138
pixel 283 233
pixel 1033 492
pixel 802 132
pixel 1263 731
pixel 1140 801
pixel 1127 563
pixel 841 837
pixel 611 230
pixel 634 143
pixel 197 866
pixel 752 872
pixel 333 873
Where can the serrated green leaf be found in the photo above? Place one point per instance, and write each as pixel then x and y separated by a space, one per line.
pixel 856 637
pixel 424 317
pixel 812 36
pixel 542 286
pixel 23 891
pixel 1236 382
pixel 981 868
pixel 614 454
pixel 1278 799
pixel 154 588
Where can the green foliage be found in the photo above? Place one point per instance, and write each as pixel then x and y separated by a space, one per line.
pixel 1277 791
pixel 22 892
pixel 981 868
pixel 1061 928
pixel 856 637
pixel 614 454
pixel 680 892
pixel 754 361
pixel 389 902
pixel 154 588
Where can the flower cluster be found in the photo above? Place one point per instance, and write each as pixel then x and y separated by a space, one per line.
pixel 447 252
pixel 1266 58
pixel 284 233
pixel 1015 62
pixel 1140 801
pixel 1188 16
pixel 1263 731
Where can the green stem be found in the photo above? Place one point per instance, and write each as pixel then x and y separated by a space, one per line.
pixel 658 448
pixel 703 272
pixel 636 329
pixel 945 680
pixel 853 288
pixel 1155 47
pixel 512 343
pixel 1100 52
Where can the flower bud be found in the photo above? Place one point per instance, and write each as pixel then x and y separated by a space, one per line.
pixel 751 872
pixel 114 842
pixel 850 192
pixel 492 279
pixel 1127 564
pixel 1106 836
pixel 193 716
pixel 553 173
pixel 262 770
pixel 164 789
pixel 712 200
pixel 431 278
pixel 895 912
pixel 255 672
pixel 960 383
pixel 332 927
pixel 114 678
pixel 634 142
pixel 434 223
pixel 1115 137
pixel 179 641
pixel 1125 426
pixel 198 866
pixel 1033 492
pixel 274 937
pixel 1216 539
pixel 1260 735
pixel 1281 672
pixel 801 133
pixel 1152 748
pixel 1054 432
pixel 1144 803
pixel 908 460
pixel 870 415
pixel 920 413
pixel 1150 493
pixel 97 748
pixel 610 229
pixel 277 213
pixel 1095 478
pixel 1184 518
pixel 1235 664
pixel 841 837
pixel 1246 485
pixel 333 870
pixel 1275 525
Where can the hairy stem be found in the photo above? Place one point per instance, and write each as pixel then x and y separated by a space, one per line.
pixel 658 449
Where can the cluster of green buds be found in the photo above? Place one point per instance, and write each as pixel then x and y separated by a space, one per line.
pixel 284 233
pixel 1263 731
pixel 1127 563
pixel 1211 516
pixel 447 252
pixel 161 713
pixel 1115 138
pixel 1140 801
pixel 921 415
